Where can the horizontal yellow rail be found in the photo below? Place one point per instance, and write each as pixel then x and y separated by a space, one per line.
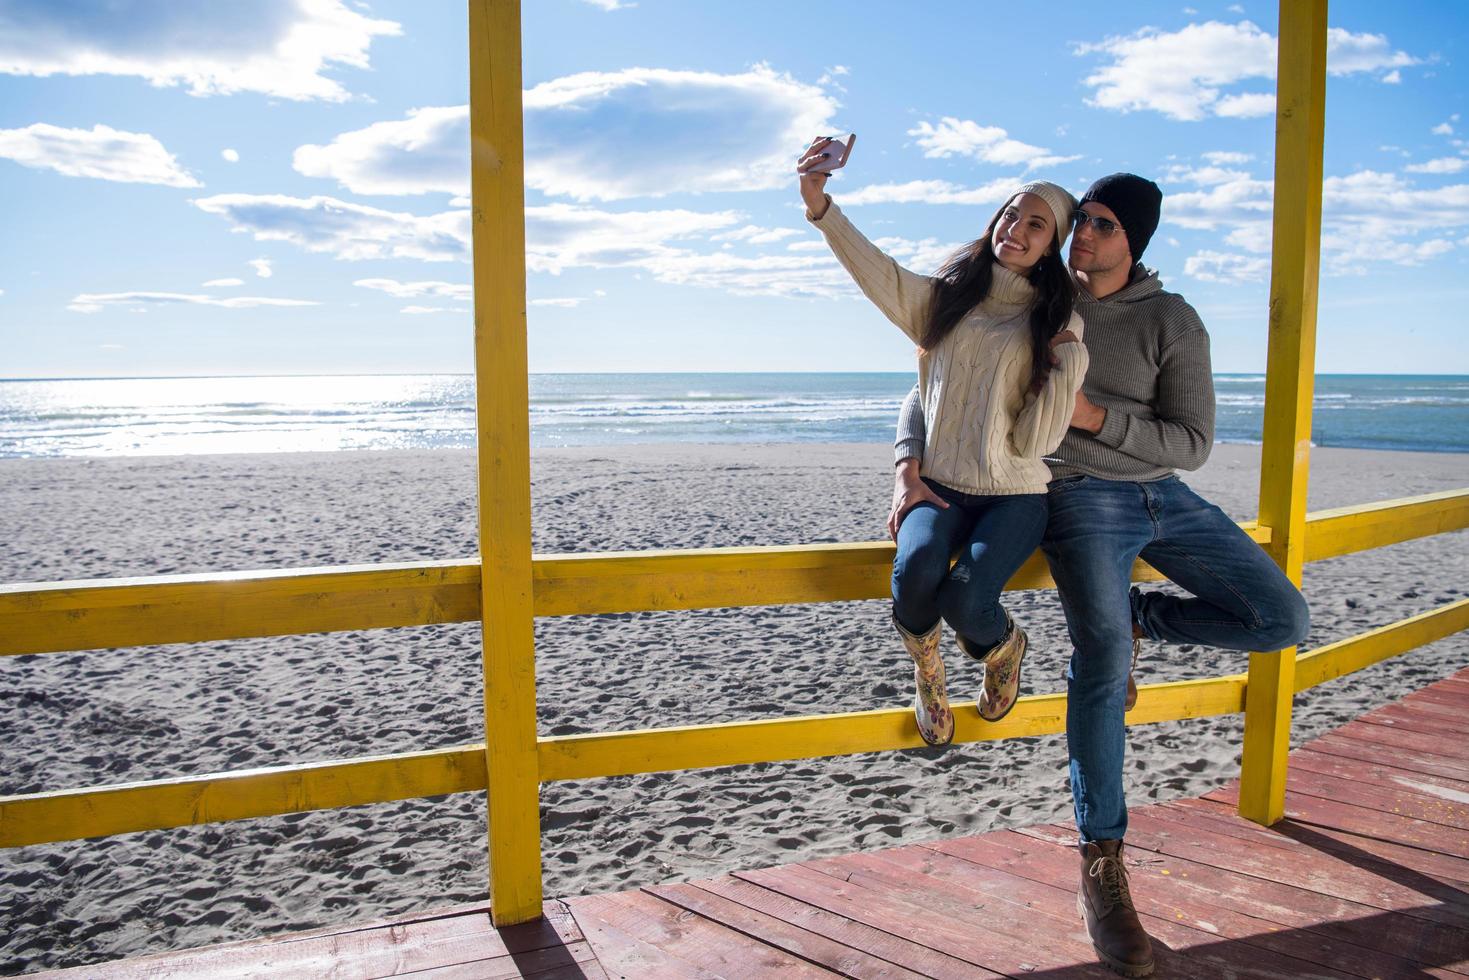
pixel 1345 530
pixel 54 617
pixel 99 811
pixel 1352 654
pixel 130 612
pixel 112 613
pixel 813 736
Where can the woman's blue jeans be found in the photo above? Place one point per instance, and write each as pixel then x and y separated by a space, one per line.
pixel 992 536
pixel 1241 601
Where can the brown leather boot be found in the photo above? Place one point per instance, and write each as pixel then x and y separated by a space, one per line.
pixel 1106 905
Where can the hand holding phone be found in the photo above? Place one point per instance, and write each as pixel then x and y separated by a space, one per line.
pixel 826 153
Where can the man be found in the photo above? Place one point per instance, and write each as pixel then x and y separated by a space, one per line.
pixel 1145 410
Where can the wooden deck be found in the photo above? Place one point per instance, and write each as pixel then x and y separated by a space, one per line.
pixel 1368 876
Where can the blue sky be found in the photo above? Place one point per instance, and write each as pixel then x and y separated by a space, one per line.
pixel 279 187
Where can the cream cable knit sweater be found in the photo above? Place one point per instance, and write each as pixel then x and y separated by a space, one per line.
pixel 985 431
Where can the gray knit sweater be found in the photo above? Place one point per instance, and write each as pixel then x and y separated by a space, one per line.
pixel 1149 369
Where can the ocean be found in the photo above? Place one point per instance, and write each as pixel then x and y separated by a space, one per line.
pixel 168 416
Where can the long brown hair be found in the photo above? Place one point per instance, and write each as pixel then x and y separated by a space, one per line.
pixel 964 281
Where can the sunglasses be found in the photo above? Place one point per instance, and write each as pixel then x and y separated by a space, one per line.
pixel 1101 227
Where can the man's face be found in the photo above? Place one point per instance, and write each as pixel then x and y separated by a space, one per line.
pixel 1096 253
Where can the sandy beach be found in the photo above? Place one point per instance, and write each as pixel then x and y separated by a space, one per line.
pixel 102 717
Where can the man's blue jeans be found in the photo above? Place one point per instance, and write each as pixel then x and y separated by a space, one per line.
pixel 1241 601
pixel 992 535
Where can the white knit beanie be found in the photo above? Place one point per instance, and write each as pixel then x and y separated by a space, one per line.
pixel 1061 203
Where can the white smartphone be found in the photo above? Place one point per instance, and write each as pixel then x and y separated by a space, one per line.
pixel 836 152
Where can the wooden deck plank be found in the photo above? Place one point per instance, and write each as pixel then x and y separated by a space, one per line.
pixel 1337 879
pixel 695 940
pixel 1437 705
pixel 1013 924
pixel 1360 820
pixel 1291 836
pixel 1183 947
pixel 1432 784
pixel 383 948
pixel 1367 795
pixel 575 961
pixel 1426 762
pixel 1212 901
pixel 626 955
pixel 884 945
pixel 882 912
pixel 1416 719
pixel 1433 695
pixel 1366 731
pixel 778 932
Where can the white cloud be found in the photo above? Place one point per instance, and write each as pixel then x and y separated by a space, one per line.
pixel 427 152
pixel 1226 267
pixel 223 282
pixel 420 310
pixel 232 155
pixel 101 152
pixel 993 193
pixel 1446 128
pixel 1202 176
pixel 671 246
pixel 1245 106
pixel 1443 165
pixel 95 302
pixel 923 257
pixel 274 47
pixel 610 4
pixel 1183 74
pixel 989 144
pixel 762 275
pixel 1178 74
pixel 1348 53
pixel 1225 157
pixel 558 236
pixel 261 267
pixel 347 231
pixel 830 76
pixel 461 291
pixel 1367 218
pixel 754 235
pixel 1393 77
pixel 561 236
pixel 696 131
pixel 566 301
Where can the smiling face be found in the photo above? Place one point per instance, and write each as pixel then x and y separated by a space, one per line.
pixel 1024 232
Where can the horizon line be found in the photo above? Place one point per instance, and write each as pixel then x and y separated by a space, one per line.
pixel 470 374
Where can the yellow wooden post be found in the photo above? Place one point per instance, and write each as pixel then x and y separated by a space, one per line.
pixel 1290 382
pixel 502 401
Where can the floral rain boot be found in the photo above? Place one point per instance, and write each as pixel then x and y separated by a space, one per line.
pixel 1001 671
pixel 931 699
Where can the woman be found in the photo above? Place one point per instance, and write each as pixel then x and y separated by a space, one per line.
pixel 1000 361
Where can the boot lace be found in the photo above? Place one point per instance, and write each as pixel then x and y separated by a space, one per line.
pixel 1112 876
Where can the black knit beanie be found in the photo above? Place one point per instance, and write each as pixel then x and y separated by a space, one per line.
pixel 1136 201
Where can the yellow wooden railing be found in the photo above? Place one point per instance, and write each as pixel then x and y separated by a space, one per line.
pixel 510 586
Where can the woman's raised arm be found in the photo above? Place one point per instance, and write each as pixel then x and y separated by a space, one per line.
pixel 902 295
